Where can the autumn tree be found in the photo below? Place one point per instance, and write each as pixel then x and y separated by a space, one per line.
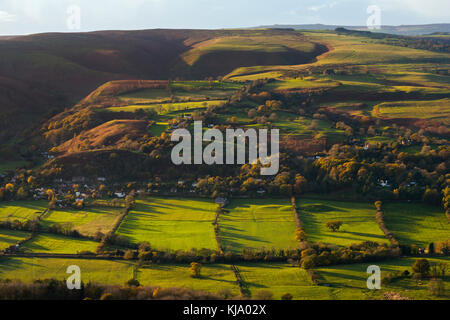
pixel 195 270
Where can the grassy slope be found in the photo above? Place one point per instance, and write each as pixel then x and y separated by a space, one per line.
pixel 171 223
pixel 213 277
pixel 169 107
pixel 349 281
pixel 51 243
pixel 87 221
pixel 351 50
pixel 31 269
pixel 21 210
pixel 358 218
pixel 279 279
pixel 258 223
pixel 11 237
pixel 416 223
pixel 438 110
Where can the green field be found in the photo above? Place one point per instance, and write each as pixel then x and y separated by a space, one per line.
pixel 358 219
pixel 279 278
pixel 87 221
pixel 360 50
pixel 213 278
pixel 416 223
pixel 293 84
pixel 51 243
pixel 350 281
pixel 9 238
pixel 182 91
pixel 165 108
pixel 99 271
pixel 245 44
pixel 171 223
pixel 438 110
pixel 257 223
pixel 21 210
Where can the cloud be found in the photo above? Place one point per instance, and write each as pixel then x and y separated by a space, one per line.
pixel 6 17
pixel 323 6
pixel 317 8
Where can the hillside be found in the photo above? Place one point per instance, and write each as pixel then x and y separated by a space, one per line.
pixel 407 30
pixel 44 73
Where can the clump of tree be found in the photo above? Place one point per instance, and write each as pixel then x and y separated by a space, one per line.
pixel 334 225
pixel 421 268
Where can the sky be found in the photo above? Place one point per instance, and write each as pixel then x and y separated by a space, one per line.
pixel 36 16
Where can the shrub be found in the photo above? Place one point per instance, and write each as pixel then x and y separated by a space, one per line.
pixel 263 295
pixel 287 296
pixel 334 225
pixel 421 267
pixel 133 283
pixel 196 269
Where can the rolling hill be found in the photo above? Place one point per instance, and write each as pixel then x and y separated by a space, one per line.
pixel 45 73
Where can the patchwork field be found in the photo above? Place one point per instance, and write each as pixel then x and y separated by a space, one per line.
pixel 416 223
pixel 350 281
pixel 213 278
pixel 87 222
pixel 358 219
pixel 11 237
pixel 51 243
pixel 171 223
pixel 257 223
pixel 21 210
pixel 99 271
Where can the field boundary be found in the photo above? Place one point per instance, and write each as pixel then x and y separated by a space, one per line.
pixel 300 233
pixel 243 289
pixel 217 228
pixel 379 217
pixel 61 256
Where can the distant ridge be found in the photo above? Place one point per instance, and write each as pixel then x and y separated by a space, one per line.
pixel 408 30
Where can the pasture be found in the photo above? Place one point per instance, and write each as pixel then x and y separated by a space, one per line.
pixel 21 210
pixel 280 278
pixel 99 271
pixel 52 243
pixel 166 108
pixel 214 278
pixel 248 44
pixel 171 223
pixel 257 223
pixel 437 110
pixel 298 84
pixel 87 222
pixel 349 281
pixel 9 238
pixel 416 223
pixel 358 219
